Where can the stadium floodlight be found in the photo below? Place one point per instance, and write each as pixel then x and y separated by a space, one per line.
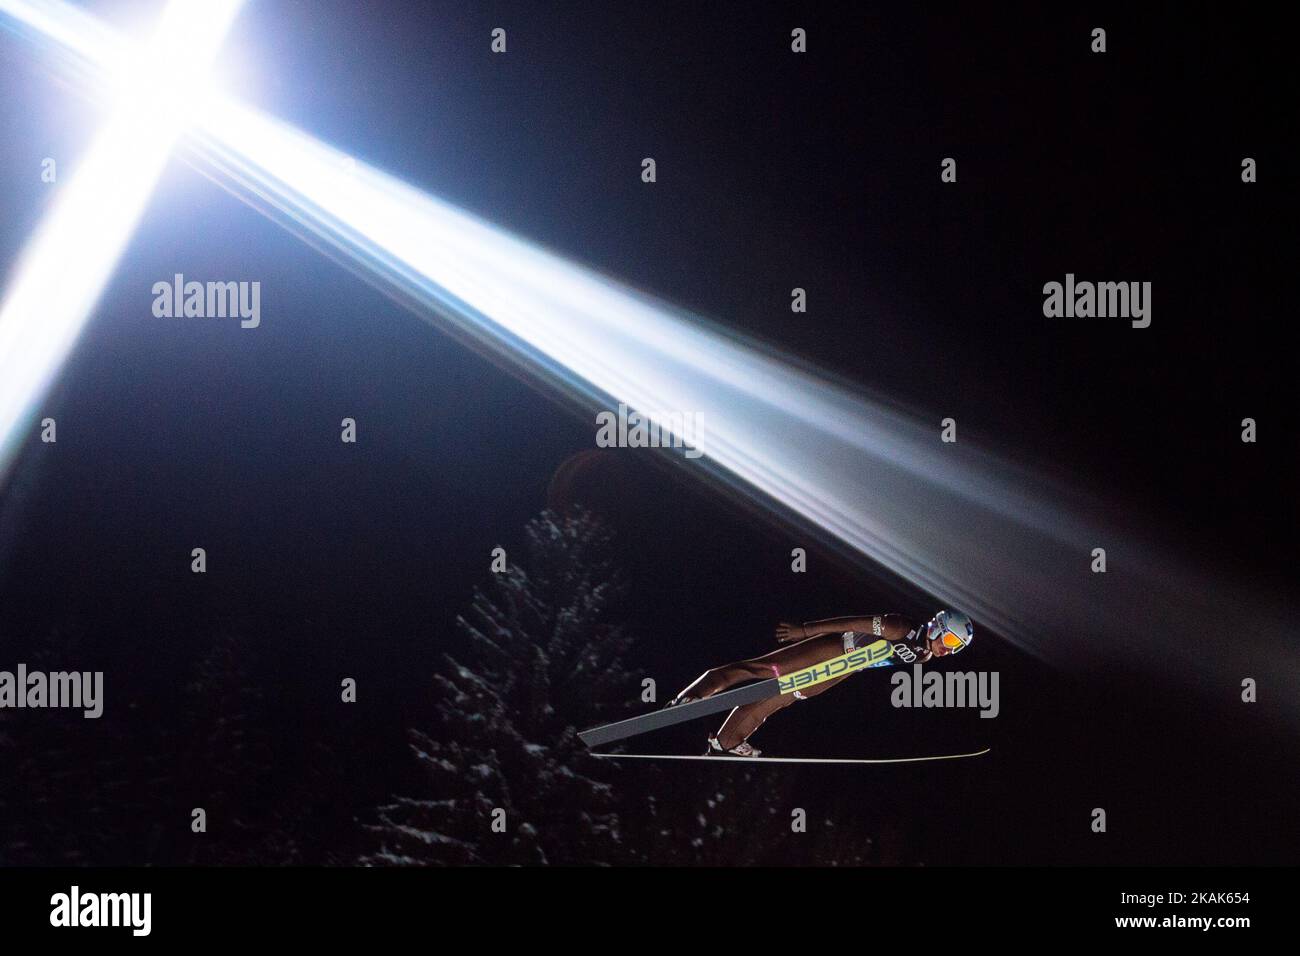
pixel 974 530
pixel 68 261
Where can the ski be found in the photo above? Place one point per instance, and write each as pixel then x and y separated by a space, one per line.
pixel 671 716
pixel 870 656
pixel 743 760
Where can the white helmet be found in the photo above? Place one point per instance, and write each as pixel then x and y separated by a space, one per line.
pixel 952 627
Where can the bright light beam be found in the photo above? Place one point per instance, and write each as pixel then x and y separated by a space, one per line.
pixel 68 261
pixel 1007 545
pixel 979 532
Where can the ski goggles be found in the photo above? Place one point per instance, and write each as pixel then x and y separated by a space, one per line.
pixel 939 629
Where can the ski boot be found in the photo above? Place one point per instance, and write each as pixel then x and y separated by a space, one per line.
pixel 742 749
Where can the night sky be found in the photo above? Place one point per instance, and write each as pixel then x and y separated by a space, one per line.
pixel 774 171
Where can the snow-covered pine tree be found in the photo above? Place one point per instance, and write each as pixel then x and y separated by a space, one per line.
pixel 540 657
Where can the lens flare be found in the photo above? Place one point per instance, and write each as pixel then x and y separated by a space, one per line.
pixel 68 261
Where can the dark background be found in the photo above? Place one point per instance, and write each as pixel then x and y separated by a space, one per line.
pixel 775 171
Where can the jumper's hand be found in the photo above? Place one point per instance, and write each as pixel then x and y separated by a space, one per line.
pixel 788 633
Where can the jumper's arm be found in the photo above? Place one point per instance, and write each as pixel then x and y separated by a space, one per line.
pixel 837 625
pixel 789 633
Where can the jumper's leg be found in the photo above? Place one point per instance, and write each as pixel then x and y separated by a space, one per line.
pixel 743 721
pixel 793 657
pixel 718 679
